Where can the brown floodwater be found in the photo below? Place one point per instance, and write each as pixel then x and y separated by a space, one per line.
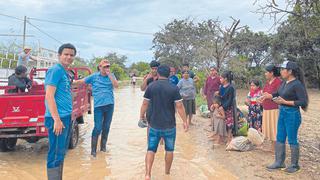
pixel 126 151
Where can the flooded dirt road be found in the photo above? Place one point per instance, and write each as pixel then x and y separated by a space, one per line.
pixel 126 151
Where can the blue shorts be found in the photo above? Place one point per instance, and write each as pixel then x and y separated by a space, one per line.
pixel 168 135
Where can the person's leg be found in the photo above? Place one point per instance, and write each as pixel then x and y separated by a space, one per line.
pixel 57 148
pixel 153 141
pixel 106 126
pixel 98 117
pixel 169 139
pixel 149 162
pixel 280 146
pixel 292 126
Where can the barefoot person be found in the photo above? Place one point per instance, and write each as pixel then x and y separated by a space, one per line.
pixel 188 94
pixel 103 83
pixel 58 102
pixel 165 97
pixel 227 94
pixel 220 131
pixel 211 86
pixel 291 95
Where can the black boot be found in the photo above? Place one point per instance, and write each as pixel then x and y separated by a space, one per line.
pixel 103 144
pixel 54 173
pixel 94 141
pixel 61 171
pixel 280 155
pixel 294 167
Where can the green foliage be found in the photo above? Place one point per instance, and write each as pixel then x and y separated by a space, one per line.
pixel 118 72
pixel 200 100
pixel 139 68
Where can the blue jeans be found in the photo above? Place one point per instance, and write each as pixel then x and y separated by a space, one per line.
pixel 288 125
pixel 168 135
pixel 102 120
pixel 58 145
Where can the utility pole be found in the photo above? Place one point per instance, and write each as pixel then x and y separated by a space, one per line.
pixel 24 32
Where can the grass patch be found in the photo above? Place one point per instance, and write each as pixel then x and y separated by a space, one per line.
pixel 200 100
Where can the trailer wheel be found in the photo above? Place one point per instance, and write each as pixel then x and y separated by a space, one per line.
pixel 74 135
pixel 8 144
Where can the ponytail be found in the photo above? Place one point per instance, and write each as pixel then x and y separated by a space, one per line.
pixel 299 74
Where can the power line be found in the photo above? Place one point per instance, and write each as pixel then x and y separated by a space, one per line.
pixel 13 17
pixel 91 27
pixel 45 33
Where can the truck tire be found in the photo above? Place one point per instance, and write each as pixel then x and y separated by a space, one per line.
pixel 74 135
pixel 8 144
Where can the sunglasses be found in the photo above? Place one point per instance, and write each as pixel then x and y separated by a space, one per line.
pixel 105 67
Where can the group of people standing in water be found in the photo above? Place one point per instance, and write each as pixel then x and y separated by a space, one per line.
pixel 273 109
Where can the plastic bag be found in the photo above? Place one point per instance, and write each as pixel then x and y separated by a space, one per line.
pixel 255 136
pixel 240 143
pixel 204 111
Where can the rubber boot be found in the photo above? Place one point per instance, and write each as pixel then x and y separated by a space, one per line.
pixel 54 173
pixel 294 167
pixel 103 143
pixel 61 171
pixel 280 155
pixel 94 141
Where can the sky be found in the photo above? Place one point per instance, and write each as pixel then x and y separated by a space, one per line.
pixel 147 16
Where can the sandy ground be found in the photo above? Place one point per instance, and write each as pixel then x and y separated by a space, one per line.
pixel 251 165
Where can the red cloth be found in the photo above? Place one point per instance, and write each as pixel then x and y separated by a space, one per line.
pixel 268 104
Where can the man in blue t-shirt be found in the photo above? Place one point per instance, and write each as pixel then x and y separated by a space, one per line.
pixel 103 83
pixel 173 77
pixel 165 98
pixel 58 102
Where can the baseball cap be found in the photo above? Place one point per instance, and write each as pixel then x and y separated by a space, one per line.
pixel 27 47
pixel 289 65
pixel 104 62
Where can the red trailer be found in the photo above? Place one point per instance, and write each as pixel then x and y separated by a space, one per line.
pixel 22 113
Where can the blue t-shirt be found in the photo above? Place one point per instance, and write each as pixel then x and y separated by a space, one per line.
pixel 174 79
pixel 58 77
pixel 102 89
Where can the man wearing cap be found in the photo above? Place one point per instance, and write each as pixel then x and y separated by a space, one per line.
pixel 165 98
pixel 103 83
pixel 19 79
pixel 25 56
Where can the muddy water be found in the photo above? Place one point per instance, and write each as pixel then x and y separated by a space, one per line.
pixel 126 150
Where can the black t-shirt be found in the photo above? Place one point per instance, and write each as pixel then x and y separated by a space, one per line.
pixel 150 80
pixel 163 96
pixel 293 91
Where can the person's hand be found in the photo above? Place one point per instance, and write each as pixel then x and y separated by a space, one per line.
pixel 204 97
pixel 216 93
pixel 279 100
pixel 185 126
pixel 58 127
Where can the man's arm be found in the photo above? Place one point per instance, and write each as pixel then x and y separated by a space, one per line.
pixel 144 108
pixel 182 113
pixel 58 125
pixel 114 81
pixel 144 85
